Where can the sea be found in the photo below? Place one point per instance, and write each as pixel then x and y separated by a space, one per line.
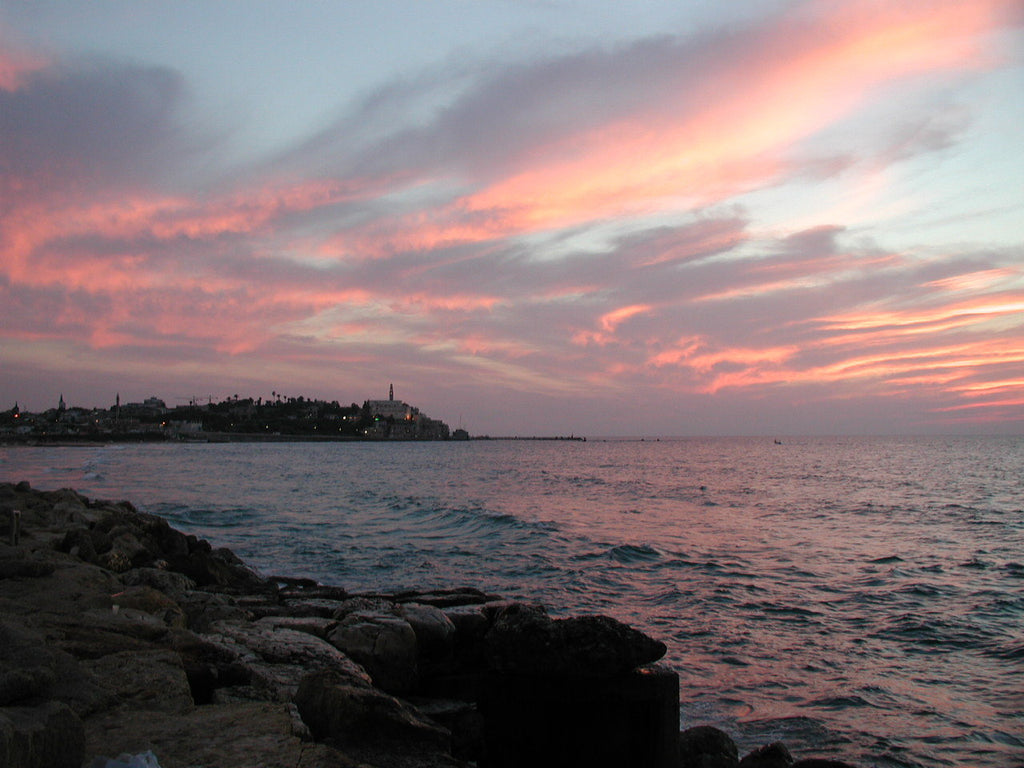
pixel 860 598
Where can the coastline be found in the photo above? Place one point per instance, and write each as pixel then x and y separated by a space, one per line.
pixel 127 636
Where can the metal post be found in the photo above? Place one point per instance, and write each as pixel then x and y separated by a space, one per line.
pixel 15 527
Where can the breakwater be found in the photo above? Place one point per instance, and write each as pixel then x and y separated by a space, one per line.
pixel 124 635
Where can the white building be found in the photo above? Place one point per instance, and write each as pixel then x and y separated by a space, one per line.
pixel 391 408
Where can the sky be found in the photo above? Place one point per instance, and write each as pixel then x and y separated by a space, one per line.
pixel 533 217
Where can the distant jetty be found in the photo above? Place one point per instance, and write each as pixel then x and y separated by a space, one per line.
pixel 572 438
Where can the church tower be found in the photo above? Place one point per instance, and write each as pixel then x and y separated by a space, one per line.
pixel 391 392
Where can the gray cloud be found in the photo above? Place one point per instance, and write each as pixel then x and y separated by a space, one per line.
pixel 92 120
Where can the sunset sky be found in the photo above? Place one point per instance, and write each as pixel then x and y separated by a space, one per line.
pixel 662 217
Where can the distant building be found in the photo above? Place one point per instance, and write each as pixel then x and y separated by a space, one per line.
pixel 391 408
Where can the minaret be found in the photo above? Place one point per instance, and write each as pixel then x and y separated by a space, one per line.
pixel 391 392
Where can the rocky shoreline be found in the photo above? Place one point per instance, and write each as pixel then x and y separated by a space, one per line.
pixel 121 636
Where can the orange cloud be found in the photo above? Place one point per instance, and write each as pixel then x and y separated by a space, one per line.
pixel 35 236
pixel 609 322
pixel 926 320
pixel 719 135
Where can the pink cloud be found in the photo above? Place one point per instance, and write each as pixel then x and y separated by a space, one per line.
pixel 583 249
pixel 17 64
pixel 708 135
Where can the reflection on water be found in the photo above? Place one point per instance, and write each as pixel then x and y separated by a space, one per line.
pixel 861 596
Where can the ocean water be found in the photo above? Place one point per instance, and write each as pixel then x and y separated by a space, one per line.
pixel 861 598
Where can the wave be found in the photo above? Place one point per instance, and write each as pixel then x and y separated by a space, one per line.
pixel 473 521
pixel 633 553
pixel 205 517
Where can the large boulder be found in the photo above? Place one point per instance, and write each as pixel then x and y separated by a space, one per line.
pixel 384 644
pixel 435 632
pixel 774 755
pixel 47 736
pixel 276 658
pixel 219 568
pixel 704 746
pixel 151 601
pixel 27 666
pixel 174 585
pixel 204 609
pixel 143 680
pixel 525 640
pixel 630 719
pixel 364 719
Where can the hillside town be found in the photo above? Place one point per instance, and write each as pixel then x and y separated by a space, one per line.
pixel 233 418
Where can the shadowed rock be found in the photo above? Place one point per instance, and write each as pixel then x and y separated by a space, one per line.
pixel 27 666
pixel 706 747
pixel 47 736
pixel 384 644
pixel 774 755
pixel 524 640
pixel 367 722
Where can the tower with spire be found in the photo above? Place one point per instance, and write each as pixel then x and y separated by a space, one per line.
pixel 391 391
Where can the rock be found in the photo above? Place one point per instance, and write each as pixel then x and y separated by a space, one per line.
pixel 818 762
pixel 144 680
pixel 706 747
pixel 72 587
pixel 525 640
pixel 208 666
pixel 27 666
pixel 11 568
pixel 79 688
pixel 204 609
pixel 225 736
pixel 79 543
pixel 546 721
pixel 172 584
pixel 366 604
pixel 445 598
pixel 774 755
pixel 462 719
pixel 435 633
pixel 313 607
pixel 364 718
pixel 384 644
pixel 276 659
pixel 312 625
pixel 93 633
pixel 471 624
pixel 47 736
pixel 307 589
pixel 470 621
pixel 153 602
pixel 217 568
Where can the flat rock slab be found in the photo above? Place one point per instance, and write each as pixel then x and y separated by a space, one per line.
pixel 143 679
pixel 226 736
pixel 317 626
